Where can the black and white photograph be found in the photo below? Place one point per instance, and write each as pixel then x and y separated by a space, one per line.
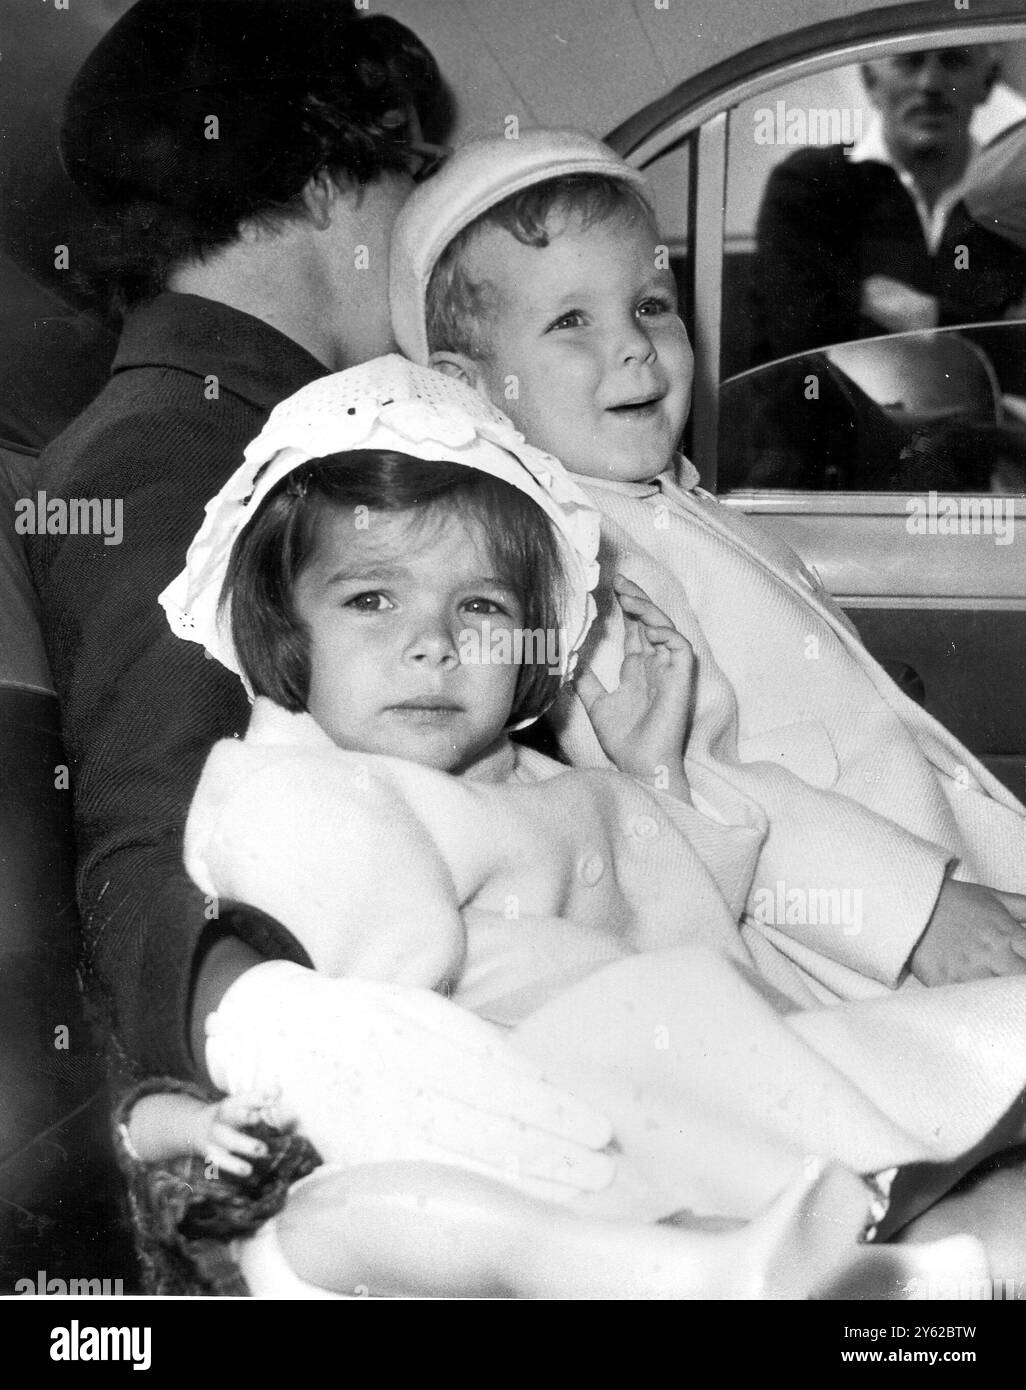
pixel 513 662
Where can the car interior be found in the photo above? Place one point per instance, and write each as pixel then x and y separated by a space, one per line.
pixel 827 447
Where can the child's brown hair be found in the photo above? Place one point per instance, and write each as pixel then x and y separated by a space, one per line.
pixel 458 309
pixel 269 636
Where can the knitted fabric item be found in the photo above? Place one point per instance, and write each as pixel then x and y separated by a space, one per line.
pixel 388 404
pixel 479 175
pixel 860 785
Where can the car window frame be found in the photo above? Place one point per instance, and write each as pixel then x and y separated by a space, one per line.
pixel 701 110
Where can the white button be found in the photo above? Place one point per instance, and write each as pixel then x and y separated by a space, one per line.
pixel 590 868
pixel 644 827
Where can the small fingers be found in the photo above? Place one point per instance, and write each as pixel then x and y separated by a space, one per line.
pixel 1012 962
pixel 997 955
pixel 225 1137
pixel 589 687
pixel 634 636
pixel 667 637
pixel 682 659
pixel 627 589
pixel 248 1107
pixel 647 625
pixel 227 1162
pixel 1013 903
pixel 636 602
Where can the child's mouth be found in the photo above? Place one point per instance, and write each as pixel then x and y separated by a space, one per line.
pixel 637 409
pixel 425 711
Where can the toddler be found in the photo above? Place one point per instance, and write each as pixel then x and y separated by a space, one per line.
pixel 359 571
pixel 533 269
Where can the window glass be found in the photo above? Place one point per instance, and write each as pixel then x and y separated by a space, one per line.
pixel 910 412
pixel 875 219
pixel 669 180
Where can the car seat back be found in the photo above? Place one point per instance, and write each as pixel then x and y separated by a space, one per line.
pixel 59 1188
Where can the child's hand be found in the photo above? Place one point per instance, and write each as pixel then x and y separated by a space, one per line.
pixel 217 1132
pixel 971 936
pixel 643 723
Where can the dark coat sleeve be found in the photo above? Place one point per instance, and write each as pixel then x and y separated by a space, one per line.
pixel 825 225
pixel 805 290
pixel 978 273
pixel 141 708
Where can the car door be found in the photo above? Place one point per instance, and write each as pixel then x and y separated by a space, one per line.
pixel 895 468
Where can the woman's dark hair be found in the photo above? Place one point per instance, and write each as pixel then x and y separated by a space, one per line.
pixel 294 92
pixel 272 641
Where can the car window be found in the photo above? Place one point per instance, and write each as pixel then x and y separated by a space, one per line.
pixel 860 267
pixel 669 180
pixel 943 410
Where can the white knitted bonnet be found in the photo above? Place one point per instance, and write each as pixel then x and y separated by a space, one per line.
pixel 387 404
pixel 473 179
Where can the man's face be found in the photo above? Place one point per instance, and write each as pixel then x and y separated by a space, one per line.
pixel 388 606
pixel 926 99
pixel 588 353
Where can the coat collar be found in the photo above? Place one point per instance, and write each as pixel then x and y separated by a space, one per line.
pixel 682 473
pixel 872 148
pixel 191 334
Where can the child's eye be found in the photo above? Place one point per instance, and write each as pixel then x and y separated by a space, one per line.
pixel 373 601
pixel 655 305
pixel 573 318
pixel 484 607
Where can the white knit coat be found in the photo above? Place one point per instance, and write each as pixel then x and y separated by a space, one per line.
pixel 862 789
pixel 598 919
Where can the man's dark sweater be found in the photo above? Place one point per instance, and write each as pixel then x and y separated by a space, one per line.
pixel 826 224
pixel 191 385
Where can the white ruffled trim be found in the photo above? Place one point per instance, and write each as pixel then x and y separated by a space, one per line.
pixel 385 404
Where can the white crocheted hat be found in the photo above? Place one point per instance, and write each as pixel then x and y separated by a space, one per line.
pixel 388 404
pixel 473 179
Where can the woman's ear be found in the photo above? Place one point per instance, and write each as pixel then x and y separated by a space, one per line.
pixel 319 195
pixel 459 366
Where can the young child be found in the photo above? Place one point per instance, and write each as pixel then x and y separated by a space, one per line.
pixel 533 269
pixel 385 529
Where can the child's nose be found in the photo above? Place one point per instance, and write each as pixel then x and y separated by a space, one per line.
pixel 433 643
pixel 636 345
